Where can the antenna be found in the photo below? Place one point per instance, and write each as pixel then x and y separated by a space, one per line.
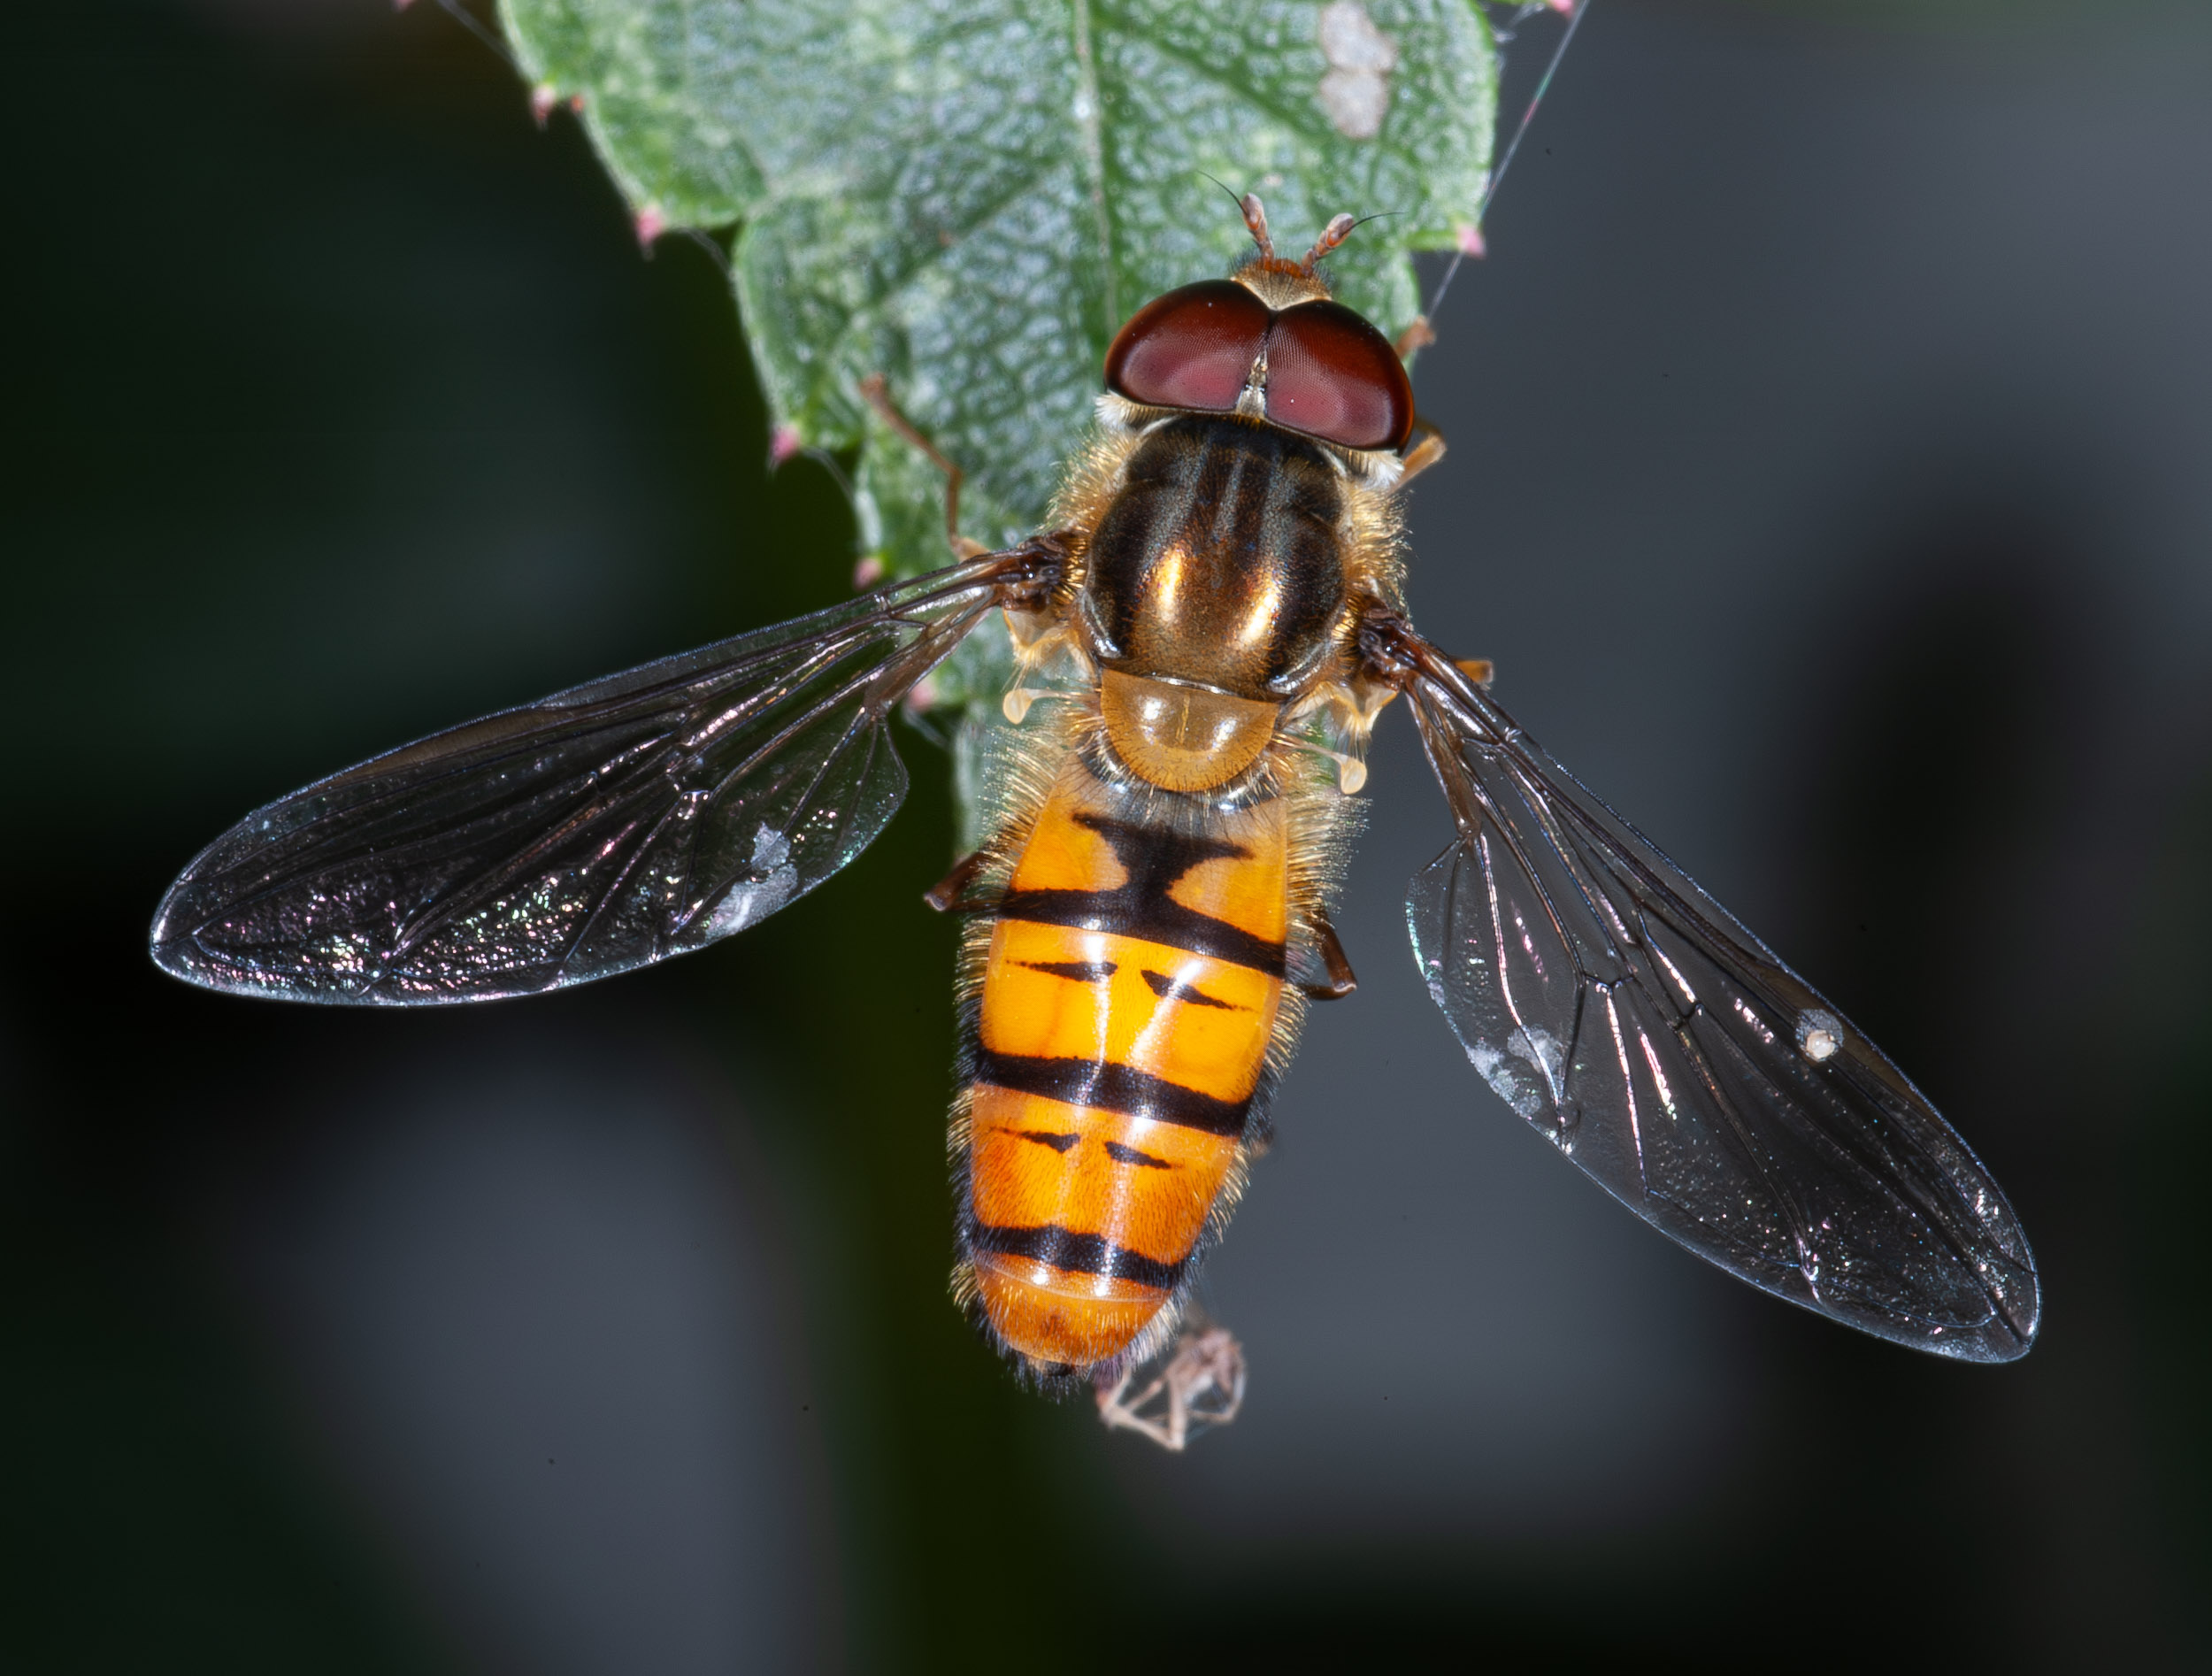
pixel 1340 229
pixel 1255 222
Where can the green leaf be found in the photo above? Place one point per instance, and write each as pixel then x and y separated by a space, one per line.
pixel 968 198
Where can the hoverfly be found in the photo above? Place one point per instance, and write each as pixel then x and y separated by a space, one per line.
pixel 1205 636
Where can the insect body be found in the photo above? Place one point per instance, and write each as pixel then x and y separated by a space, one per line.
pixel 1213 624
pixel 1133 992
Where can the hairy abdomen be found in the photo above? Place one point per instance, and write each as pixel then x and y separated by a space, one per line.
pixel 1129 995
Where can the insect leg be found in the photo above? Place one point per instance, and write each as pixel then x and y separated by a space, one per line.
pixel 1417 337
pixel 954 892
pixel 1201 1383
pixel 1340 981
pixel 877 392
pixel 1425 453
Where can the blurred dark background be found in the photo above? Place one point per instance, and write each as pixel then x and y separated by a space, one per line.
pixel 1831 480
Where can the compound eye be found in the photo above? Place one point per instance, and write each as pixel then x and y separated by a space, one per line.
pixel 1193 347
pixel 1333 375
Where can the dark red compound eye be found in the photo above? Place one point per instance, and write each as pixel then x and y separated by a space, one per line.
pixel 1333 375
pixel 1193 347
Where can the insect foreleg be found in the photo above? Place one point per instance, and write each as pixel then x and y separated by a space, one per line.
pixel 1425 453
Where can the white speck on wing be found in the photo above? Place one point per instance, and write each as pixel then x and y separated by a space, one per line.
pixel 777 882
pixel 1542 1051
pixel 1819 1034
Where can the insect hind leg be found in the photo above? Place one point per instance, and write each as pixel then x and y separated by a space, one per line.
pixel 957 892
pixel 1328 974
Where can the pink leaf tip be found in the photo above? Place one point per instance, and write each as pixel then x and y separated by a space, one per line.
pixel 1469 239
pixel 783 443
pixel 868 573
pixel 650 225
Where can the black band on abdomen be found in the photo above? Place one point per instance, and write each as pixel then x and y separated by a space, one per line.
pixel 1078 1254
pixel 1110 1086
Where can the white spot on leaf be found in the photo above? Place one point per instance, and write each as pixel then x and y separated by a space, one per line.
pixel 1355 90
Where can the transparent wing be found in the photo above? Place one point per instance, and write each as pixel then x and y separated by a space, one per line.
pixel 1662 1047
pixel 607 826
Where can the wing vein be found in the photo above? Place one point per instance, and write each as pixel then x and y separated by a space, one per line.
pixel 1827 1179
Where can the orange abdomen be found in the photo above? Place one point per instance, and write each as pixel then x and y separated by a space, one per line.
pixel 1129 996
